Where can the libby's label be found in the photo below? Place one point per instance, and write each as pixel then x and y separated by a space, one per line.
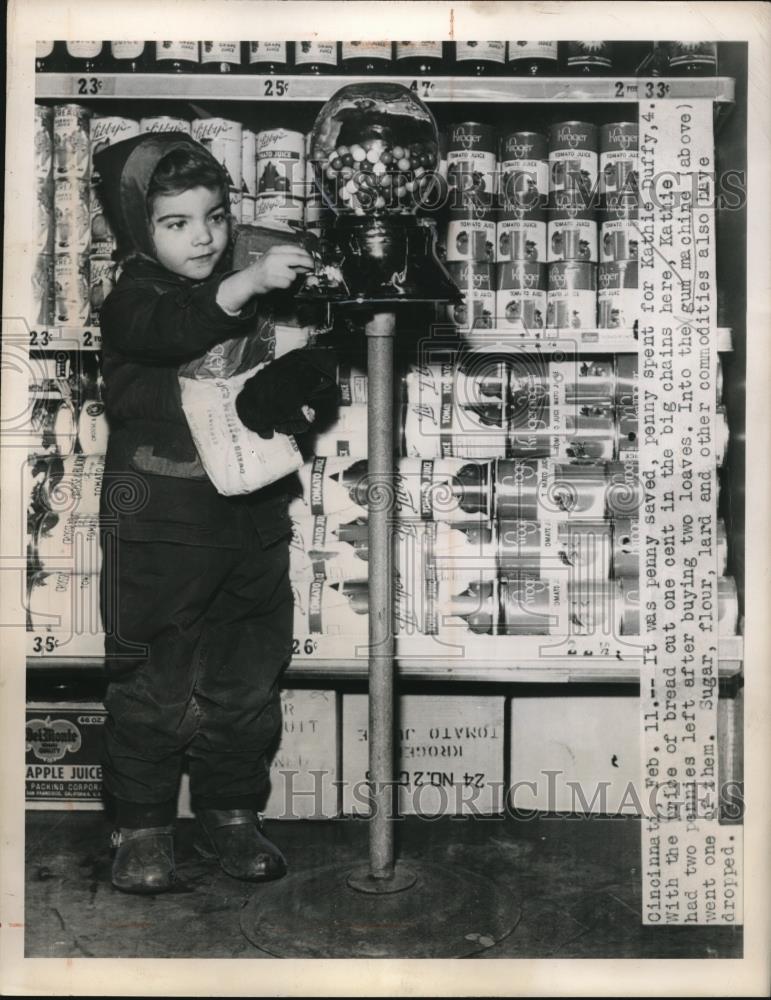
pixel 164 123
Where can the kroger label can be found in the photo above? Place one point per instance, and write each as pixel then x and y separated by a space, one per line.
pixel 471 236
pixel 101 280
pixel 521 235
pixel 44 143
pixel 573 161
pixel 619 237
pixel 520 299
pixel 281 163
pixel 531 605
pixel 71 141
pixel 572 295
pixel 107 131
pixel 572 228
pixel 538 490
pixel 46 226
pixel 472 163
pixel 71 212
pixel 583 548
pixel 476 283
pixel 524 169
pixel 102 238
pixel 164 123
pixel 249 163
pixel 619 158
pixel 43 306
pixel 72 289
pixel 618 297
pixel 223 139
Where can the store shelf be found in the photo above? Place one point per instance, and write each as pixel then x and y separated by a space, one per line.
pixel 69 338
pixel 289 88
pixel 528 659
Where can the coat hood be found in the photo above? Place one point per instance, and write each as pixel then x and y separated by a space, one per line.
pixel 124 173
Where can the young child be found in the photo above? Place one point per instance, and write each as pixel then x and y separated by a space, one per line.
pixel 195 590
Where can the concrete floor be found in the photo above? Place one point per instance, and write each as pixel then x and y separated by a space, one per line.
pixel 578 881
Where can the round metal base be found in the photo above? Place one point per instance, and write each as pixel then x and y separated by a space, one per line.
pixel 362 881
pixel 448 912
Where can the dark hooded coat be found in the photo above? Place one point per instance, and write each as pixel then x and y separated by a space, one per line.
pixel 152 322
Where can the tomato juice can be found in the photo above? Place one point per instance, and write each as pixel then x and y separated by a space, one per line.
pixel 572 295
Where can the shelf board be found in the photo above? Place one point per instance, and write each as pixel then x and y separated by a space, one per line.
pixel 498 340
pixel 291 88
pixel 527 660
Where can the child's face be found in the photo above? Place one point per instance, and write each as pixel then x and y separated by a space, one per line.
pixel 190 231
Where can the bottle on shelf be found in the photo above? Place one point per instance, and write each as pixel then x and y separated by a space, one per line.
pixel 316 58
pixel 366 57
pixel 588 58
pixel 268 57
pixel 49 57
pixel 532 58
pixel 129 57
pixel 691 58
pixel 221 57
pixel 421 58
pixel 480 58
pixel 85 57
pixel 177 57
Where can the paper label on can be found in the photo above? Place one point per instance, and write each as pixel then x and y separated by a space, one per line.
pixel 618 307
pixel 365 50
pixel 522 309
pixel 521 239
pixel 278 208
pixel 43 50
pixel 573 169
pixel 249 162
pixel 524 182
pixel 532 50
pixel 84 50
pixel 127 50
pixel 187 51
pixel 472 172
pixel 619 171
pixel 476 312
pixel 318 471
pixel 572 239
pixel 470 239
pixel 532 606
pixel 571 308
pixel 324 53
pixel 226 52
pixel 409 50
pixel 490 51
pixel 619 240
pixel 164 123
pixel 71 141
pixel 583 53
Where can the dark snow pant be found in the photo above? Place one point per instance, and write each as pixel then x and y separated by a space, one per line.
pixel 197 638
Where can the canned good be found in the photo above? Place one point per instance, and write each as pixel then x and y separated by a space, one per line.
pixel 572 229
pixel 446 607
pixel 582 383
pixel 475 281
pixel 539 490
pixel 580 550
pixel 64 602
pixel 71 141
pixel 524 169
pixel 43 305
pixel 618 298
pixel 71 537
pixel 569 435
pixel 521 235
pixel 324 558
pixel 447 413
pixel 346 436
pixel 276 208
pixel 471 236
pixel 573 159
pixel 103 241
pixel 71 214
pixel 457 554
pixel 223 139
pixel 572 295
pixel 619 238
pixel 106 131
pixel 44 143
pixel 472 164
pixel 52 427
pixel 72 289
pixel 619 158
pixel 164 123
pixel 93 429
pixel 553 606
pixel 352 384
pixel 102 280
pixel 281 163
pixel 722 435
pixel 520 299
pixel 321 608
pixel 46 223
pixel 248 208
pixel 50 376
pixel 249 163
pixel 72 483
pixel 626 547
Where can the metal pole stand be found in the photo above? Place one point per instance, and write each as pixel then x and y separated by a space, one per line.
pixel 385 910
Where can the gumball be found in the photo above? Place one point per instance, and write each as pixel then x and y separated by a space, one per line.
pixel 420 171
pixel 380 202
pixel 373 154
pixel 336 163
pixel 346 173
pixel 347 159
pixel 410 185
pixel 351 186
pixel 342 150
pixel 387 157
pixel 379 168
pixel 358 153
pixel 401 191
pixel 403 164
pixel 330 173
pixel 345 194
pixel 385 180
pixel 398 152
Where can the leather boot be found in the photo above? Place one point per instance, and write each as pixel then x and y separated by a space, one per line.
pixel 144 859
pixel 235 838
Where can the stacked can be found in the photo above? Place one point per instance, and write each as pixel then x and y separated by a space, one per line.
pixel 164 123
pixel 281 177
pixel 104 131
pixel 71 214
pixel 223 138
pixel 42 310
pixel 248 174
pixel 618 299
pixel 572 238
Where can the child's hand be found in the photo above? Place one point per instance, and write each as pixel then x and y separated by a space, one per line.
pixel 279 267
